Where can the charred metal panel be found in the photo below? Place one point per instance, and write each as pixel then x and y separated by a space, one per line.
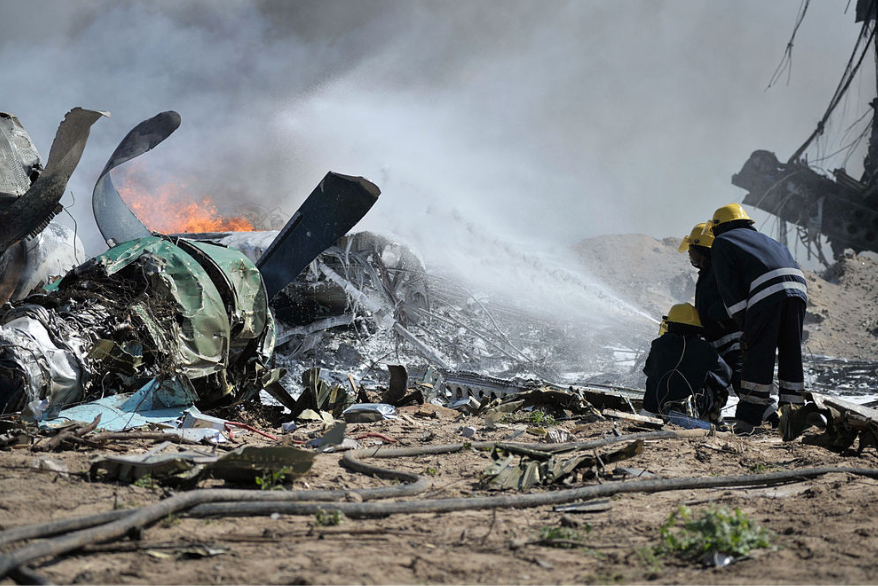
pixel 20 163
pixel 200 323
pixel 31 212
pixel 145 309
pixel 47 257
pixel 865 10
pixel 12 263
pixel 116 222
pixel 240 284
pixel 332 209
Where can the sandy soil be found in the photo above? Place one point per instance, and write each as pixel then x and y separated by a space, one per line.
pixel 824 530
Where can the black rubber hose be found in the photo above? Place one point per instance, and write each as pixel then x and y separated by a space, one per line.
pixel 25 575
pixel 420 485
pixel 92 528
pixel 382 509
pixel 413 484
pixel 58 527
pixel 113 530
pixel 273 501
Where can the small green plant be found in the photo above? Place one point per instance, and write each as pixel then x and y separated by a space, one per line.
pixel 761 468
pixel 540 418
pixel 717 529
pixel 146 481
pixel 536 417
pixel 431 471
pixel 328 518
pixel 272 479
pixel 565 537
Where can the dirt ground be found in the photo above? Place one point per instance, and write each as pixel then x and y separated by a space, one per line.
pixel 823 529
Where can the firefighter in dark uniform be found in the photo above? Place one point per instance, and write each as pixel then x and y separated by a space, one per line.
pixel 764 291
pixel 719 329
pixel 683 371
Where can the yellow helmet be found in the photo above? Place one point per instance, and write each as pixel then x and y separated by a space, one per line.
pixel 727 213
pixel 699 236
pixel 681 313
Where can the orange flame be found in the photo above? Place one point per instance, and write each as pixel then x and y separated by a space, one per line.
pixel 172 209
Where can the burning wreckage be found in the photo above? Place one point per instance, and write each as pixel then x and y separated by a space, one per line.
pixel 187 319
pixel 184 319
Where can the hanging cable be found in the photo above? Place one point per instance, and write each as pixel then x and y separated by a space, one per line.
pixel 852 145
pixel 849 74
pixel 786 62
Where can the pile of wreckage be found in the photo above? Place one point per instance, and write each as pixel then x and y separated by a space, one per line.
pixel 185 319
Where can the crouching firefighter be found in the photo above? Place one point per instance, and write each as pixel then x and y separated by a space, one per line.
pixel 764 291
pixel 683 371
pixel 723 333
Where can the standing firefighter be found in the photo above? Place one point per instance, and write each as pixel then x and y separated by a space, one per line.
pixel 683 372
pixel 719 329
pixel 764 291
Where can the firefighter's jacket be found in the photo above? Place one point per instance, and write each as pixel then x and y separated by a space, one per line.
pixel 723 333
pixel 753 271
pixel 680 366
pixel 710 306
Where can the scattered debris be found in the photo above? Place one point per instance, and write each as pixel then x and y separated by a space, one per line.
pixel 168 322
pixel 369 412
pixel 186 469
pixel 841 421
pixel 644 420
pixel 467 431
pixel 595 506
pixel 543 468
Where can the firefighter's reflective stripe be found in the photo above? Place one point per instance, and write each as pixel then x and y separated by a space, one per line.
pixel 720 342
pixel 776 273
pixel 790 386
pixel 756 298
pixel 728 345
pixel 774 289
pixel 737 308
pixel 758 392
pixel 755 399
pixel 759 387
